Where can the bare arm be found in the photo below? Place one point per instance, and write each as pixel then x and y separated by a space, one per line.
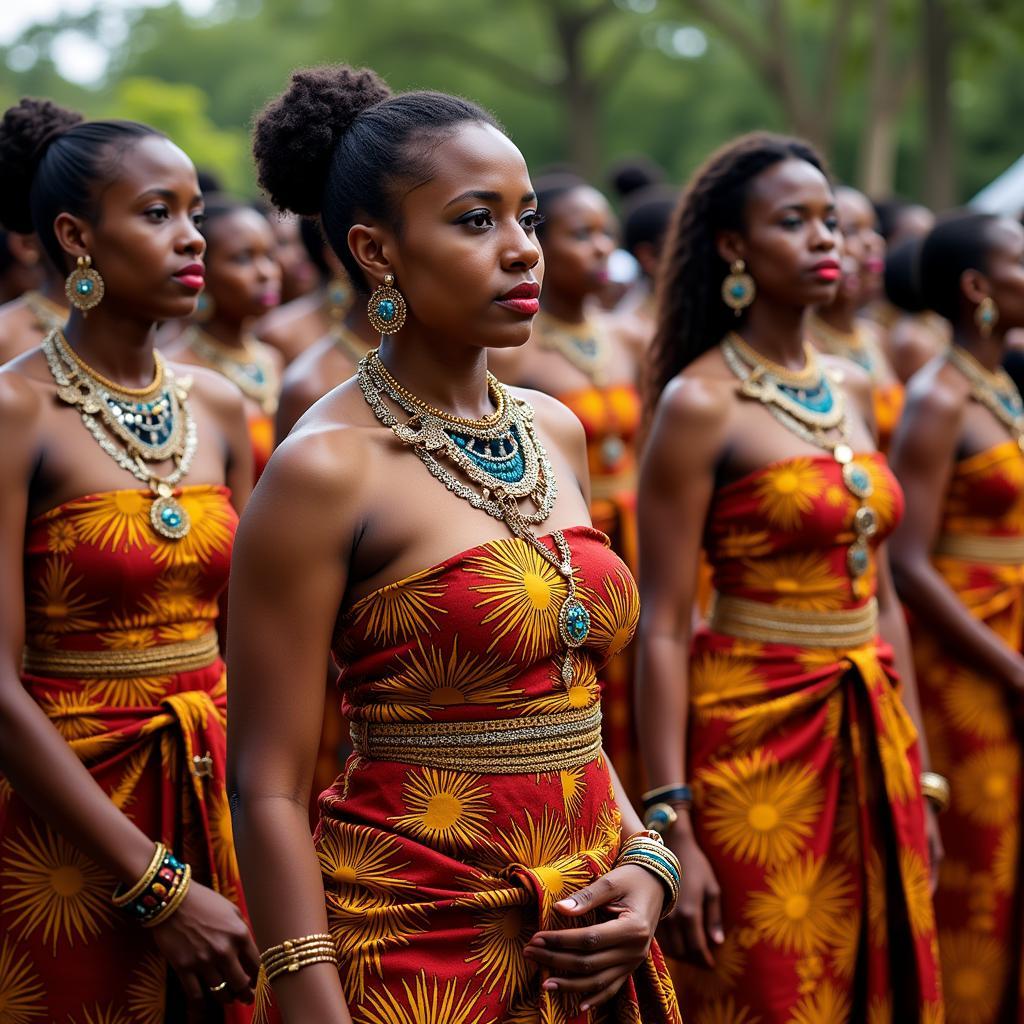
pixel 228 407
pixel 288 577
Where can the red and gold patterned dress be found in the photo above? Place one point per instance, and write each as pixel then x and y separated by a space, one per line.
pixel 611 419
pixel 805 767
pixel 478 795
pixel 972 722
pixel 121 654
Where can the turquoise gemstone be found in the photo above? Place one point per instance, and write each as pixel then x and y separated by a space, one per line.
pixel 386 310
pixel 738 291
pixel 171 517
pixel 84 287
pixel 858 560
pixel 577 622
pixel 859 478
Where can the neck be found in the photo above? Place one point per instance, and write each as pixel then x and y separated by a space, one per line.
pixel 116 345
pixel 452 377
pixel 53 289
pixel 842 315
pixel 988 351
pixel 570 308
pixel 358 323
pixel 228 332
pixel 777 333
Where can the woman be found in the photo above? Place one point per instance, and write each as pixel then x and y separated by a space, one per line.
pixel 120 481
pixel 958 559
pixel 578 357
pixel 243 280
pixel 783 764
pixel 840 330
pixel 299 274
pixel 476 827
pixel 31 314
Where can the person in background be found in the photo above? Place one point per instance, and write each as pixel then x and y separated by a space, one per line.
pixel 34 302
pixel 299 274
pixel 121 479
pixel 243 280
pixel 958 560
pixel 779 741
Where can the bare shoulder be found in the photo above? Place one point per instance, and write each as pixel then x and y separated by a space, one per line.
pixel 24 398
pixel 213 389
pixel 853 379
pixel 697 400
pixel 555 419
pixel 276 325
pixel 302 375
pixel 937 392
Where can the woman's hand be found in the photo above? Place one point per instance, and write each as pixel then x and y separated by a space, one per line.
pixel 593 962
pixel 935 850
pixel 207 942
pixel 694 928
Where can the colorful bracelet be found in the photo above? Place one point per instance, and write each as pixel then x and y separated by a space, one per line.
pixel 660 817
pixel 175 898
pixel 935 787
pixel 122 899
pixel 159 892
pixel 675 793
pixel 294 954
pixel 647 850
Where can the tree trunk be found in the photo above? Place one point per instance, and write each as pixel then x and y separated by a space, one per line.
pixel 877 171
pixel 580 110
pixel 939 172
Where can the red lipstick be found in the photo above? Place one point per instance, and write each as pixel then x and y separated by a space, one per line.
pixel 191 276
pixel 522 299
pixel 827 270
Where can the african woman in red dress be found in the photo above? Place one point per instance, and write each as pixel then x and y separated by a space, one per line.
pixel 959 563
pixel 782 759
pixel 430 526
pixel 120 480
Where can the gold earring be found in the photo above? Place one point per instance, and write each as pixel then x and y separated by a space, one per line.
pixel 84 286
pixel 986 316
pixel 386 309
pixel 738 288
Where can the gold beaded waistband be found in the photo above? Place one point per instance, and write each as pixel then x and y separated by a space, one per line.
pixel 183 656
pixel 505 746
pixel 975 548
pixel 768 623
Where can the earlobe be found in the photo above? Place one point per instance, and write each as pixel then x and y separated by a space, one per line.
pixel 73 235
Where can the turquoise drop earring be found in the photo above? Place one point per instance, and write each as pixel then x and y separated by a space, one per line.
pixel 84 286
pixel 738 288
pixel 386 309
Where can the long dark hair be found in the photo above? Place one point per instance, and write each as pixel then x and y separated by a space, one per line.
pixel 691 315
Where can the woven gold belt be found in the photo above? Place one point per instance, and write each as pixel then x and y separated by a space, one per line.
pixel 184 656
pixel 768 623
pixel 505 746
pixel 1002 550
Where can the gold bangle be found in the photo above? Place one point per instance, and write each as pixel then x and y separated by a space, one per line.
pixel 296 965
pixel 272 963
pixel 147 876
pixel 935 787
pixel 653 794
pixel 290 945
pixel 175 901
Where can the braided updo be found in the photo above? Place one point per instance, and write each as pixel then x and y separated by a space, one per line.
pixel 52 161
pixel 691 315
pixel 336 143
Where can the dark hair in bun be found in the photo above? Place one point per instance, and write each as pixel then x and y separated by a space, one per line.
pixel 902 273
pixel 51 161
pixel 957 243
pixel 337 142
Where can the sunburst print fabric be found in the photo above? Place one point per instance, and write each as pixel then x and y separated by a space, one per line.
pixel 436 877
pixel 972 724
pixel 805 771
pixel 98 578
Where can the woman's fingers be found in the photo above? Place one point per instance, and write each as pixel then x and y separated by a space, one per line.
pixel 593 990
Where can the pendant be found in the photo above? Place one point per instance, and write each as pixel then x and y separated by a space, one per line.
pixel 169 518
pixel 865 521
pixel 842 453
pixel 857 480
pixel 858 559
pixel 573 623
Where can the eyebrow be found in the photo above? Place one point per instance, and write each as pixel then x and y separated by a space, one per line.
pixel 166 193
pixel 804 208
pixel 488 197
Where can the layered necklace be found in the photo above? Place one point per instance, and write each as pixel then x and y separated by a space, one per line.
pixel 996 391
pixel 134 426
pixel 503 461
pixel 48 314
pixel 583 345
pixel 251 369
pixel 805 403
pixel 856 345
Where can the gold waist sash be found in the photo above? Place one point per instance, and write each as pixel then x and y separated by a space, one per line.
pixel 974 548
pixel 768 623
pixel 505 746
pixel 183 656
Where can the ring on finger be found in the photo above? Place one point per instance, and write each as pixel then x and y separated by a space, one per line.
pixel 218 988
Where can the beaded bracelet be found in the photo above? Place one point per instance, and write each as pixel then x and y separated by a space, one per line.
pixel 122 899
pixel 294 954
pixel 159 892
pixel 175 898
pixel 647 850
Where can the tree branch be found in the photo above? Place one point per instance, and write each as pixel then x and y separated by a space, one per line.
pixel 835 58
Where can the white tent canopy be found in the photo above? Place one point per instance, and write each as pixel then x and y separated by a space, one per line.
pixel 1005 195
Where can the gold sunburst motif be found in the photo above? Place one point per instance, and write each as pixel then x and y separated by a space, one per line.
pixel 846 945
pixel 124 792
pixel 21 990
pixel 802 906
pixel 880 1010
pixel 364 927
pixel 51 887
pixel 192 708
pixel 114 520
pixel 128 691
pixel 1005 859
pixel 984 785
pixel 917 892
pixel 933 1013
pixel 449 809
pixel 213 523
pixel 424 1003
pixel 715 676
pixel 502 935
pixel 752 722
pixel 614 615
pixel 825 1005
pixel 127 633
pixel 73 714
pixel 974 968
pixel 804 581
pixel 876 895
pixel 976 705
pixel 574 788
pixel 402 610
pixel 429 678
pixel 362 858
pixel 523 596
pixel 178 594
pixel 744 544
pixel 100 1015
pixel 758 809
pixel 726 1011
pixel 221 836
pixel 786 493
pixel 147 992
pixel 61 537
pixel 895 739
pixel 584 692
pixel 720 981
pixel 56 604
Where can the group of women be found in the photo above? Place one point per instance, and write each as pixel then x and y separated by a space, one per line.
pixel 806 776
